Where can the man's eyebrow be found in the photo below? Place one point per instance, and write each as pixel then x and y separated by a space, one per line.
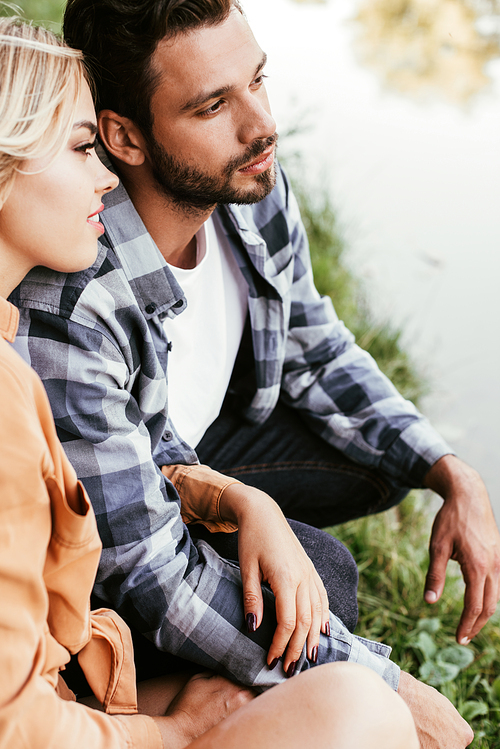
pixel 88 124
pixel 200 99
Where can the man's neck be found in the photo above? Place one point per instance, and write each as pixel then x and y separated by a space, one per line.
pixel 172 229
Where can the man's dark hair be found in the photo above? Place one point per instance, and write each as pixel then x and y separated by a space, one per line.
pixel 119 37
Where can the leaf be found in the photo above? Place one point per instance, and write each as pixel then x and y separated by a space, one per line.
pixel 472 708
pixel 426 645
pixel 429 625
pixel 459 655
pixel 449 690
pixel 436 674
pixel 496 688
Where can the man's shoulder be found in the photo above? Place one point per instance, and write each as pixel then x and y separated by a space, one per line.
pixel 57 293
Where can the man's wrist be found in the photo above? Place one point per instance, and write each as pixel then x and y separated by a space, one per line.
pixel 449 475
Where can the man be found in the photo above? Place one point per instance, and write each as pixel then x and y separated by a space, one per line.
pixel 186 121
pixel 183 145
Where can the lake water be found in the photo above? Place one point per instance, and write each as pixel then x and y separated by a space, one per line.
pixel 416 181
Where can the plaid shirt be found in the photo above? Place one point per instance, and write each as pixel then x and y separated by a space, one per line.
pixel 97 340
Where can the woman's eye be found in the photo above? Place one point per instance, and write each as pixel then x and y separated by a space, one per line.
pixel 86 147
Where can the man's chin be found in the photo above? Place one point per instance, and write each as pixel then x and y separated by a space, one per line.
pixel 260 188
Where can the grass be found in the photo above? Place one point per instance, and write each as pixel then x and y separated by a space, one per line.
pixel 391 552
pixel 391 549
pixel 48 12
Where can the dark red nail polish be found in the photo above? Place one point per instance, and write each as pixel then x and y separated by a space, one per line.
pixel 327 629
pixel 273 663
pixel 291 669
pixel 251 622
pixel 314 654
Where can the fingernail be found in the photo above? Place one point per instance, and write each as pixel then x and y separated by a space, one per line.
pixel 314 654
pixel 327 629
pixel 251 622
pixel 273 663
pixel 430 596
pixel 464 641
pixel 291 669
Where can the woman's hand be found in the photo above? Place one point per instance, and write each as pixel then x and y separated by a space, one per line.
pixel 269 552
pixel 205 700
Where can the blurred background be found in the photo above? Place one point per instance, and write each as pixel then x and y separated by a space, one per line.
pixel 394 108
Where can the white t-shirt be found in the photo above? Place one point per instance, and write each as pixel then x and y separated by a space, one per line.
pixel 206 336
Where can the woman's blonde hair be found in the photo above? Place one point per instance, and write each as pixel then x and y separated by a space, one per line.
pixel 40 82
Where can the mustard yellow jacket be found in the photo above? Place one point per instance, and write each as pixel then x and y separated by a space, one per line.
pixel 49 552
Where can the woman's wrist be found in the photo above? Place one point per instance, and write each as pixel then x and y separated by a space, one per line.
pixel 173 734
pixel 237 500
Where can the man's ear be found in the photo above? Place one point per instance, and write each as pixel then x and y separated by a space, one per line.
pixel 122 138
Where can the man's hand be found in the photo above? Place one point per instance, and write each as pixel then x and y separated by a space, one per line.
pixel 269 552
pixel 206 699
pixel 438 724
pixel 465 530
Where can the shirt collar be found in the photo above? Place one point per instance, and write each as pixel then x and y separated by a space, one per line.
pixel 9 320
pixel 155 287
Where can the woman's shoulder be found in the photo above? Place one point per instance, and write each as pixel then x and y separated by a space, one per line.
pixel 21 390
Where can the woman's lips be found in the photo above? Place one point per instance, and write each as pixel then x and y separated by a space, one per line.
pixel 94 221
pixel 260 165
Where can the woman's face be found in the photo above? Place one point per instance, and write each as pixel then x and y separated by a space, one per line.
pixel 52 218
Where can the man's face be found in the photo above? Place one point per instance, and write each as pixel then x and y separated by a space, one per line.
pixel 213 137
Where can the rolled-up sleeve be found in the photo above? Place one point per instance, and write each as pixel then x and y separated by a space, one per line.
pixel 200 489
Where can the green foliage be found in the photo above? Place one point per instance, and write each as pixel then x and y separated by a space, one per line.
pixel 47 12
pixel 391 552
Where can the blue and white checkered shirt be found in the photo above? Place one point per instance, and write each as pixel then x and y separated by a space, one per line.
pixel 96 339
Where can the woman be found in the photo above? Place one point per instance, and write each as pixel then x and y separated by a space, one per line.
pixel 51 184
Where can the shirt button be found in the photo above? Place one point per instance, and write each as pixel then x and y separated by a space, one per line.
pixel 178 304
pixel 150 308
pixel 167 436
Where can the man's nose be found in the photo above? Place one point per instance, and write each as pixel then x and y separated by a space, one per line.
pixel 256 123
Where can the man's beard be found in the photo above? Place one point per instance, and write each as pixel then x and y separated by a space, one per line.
pixel 193 191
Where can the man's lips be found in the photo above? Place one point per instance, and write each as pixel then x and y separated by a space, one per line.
pixel 260 164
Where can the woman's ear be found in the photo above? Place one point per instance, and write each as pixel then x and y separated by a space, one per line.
pixel 122 138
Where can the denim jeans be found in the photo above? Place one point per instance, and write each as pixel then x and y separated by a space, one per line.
pixel 310 480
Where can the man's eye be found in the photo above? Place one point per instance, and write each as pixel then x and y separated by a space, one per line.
pixel 260 80
pixel 213 109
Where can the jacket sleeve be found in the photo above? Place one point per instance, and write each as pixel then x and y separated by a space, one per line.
pixel 339 388
pixel 181 594
pixel 32 714
pixel 200 489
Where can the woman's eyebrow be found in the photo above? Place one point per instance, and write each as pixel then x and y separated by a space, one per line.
pixel 88 124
